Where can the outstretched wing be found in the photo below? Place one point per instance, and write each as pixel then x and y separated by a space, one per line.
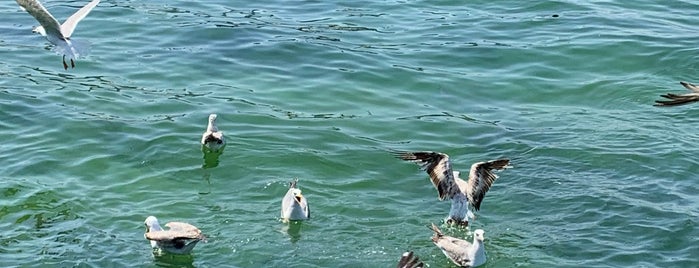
pixel 480 178
pixel 50 24
pixel 690 86
pixel 437 165
pixel 680 99
pixel 68 26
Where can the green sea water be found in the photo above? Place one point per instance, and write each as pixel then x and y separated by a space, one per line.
pixel 323 91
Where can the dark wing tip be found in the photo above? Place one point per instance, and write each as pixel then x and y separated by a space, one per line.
pixel 409 260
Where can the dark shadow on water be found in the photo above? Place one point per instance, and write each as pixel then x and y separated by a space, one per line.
pixel 293 229
pixel 173 260
pixel 211 156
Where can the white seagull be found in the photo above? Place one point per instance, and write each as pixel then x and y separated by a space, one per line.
pixel 212 137
pixel 179 239
pixel 464 195
pixel 460 251
pixel 409 260
pixel 59 34
pixel 679 99
pixel 294 204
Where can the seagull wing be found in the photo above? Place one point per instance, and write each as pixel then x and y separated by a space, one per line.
pixel 680 99
pixel 184 230
pixel 409 260
pixel 690 86
pixel 437 165
pixel 68 26
pixel 50 24
pixel 480 178
pixel 675 99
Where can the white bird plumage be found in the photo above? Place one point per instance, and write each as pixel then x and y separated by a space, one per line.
pixel 464 195
pixel 179 239
pixel 212 137
pixel 294 204
pixel 460 251
pixel 59 34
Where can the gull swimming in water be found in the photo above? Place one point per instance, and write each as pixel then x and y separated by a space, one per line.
pixel 460 251
pixel 464 195
pixel 59 34
pixel 294 204
pixel 680 99
pixel 179 239
pixel 409 260
pixel 212 137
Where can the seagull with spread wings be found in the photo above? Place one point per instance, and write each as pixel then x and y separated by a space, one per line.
pixel 179 239
pixel 59 34
pixel 679 99
pixel 464 195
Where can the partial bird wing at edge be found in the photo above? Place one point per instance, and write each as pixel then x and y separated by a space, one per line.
pixel 69 25
pixel 50 24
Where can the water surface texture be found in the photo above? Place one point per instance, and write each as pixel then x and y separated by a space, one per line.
pixel 323 91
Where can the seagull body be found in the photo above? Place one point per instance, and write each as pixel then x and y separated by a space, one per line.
pixel 179 239
pixel 680 99
pixel 212 137
pixel 59 34
pixel 409 260
pixel 460 251
pixel 294 204
pixel 464 195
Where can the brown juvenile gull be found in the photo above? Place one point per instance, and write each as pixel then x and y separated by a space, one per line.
pixel 212 137
pixel 680 99
pixel 294 204
pixel 409 260
pixel 59 34
pixel 179 239
pixel 464 195
pixel 460 251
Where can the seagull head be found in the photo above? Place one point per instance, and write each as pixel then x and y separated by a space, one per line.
pixel 40 30
pixel 152 224
pixel 297 195
pixel 212 123
pixel 479 235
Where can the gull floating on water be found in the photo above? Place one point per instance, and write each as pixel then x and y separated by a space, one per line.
pixel 59 34
pixel 449 185
pixel 409 260
pixel 460 251
pixel 679 99
pixel 294 204
pixel 179 239
pixel 212 137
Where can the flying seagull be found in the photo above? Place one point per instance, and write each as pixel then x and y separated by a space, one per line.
pixel 409 260
pixel 212 137
pixel 59 34
pixel 294 204
pixel 459 251
pixel 179 239
pixel 679 99
pixel 464 195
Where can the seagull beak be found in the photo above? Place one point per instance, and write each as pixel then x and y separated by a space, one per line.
pixel 299 197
